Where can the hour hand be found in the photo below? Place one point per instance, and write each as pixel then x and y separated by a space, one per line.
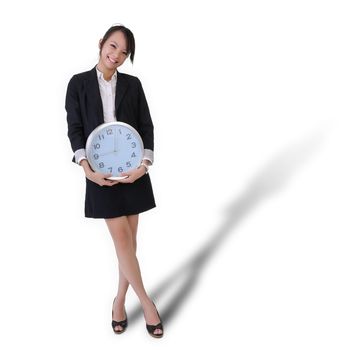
pixel 106 153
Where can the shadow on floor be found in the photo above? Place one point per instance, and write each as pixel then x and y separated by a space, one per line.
pixel 270 179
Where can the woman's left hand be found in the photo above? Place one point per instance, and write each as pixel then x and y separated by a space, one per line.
pixel 133 175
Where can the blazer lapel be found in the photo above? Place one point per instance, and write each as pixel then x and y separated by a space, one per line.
pixel 122 85
pixel 94 101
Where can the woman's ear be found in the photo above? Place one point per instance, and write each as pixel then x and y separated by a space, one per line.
pixel 99 44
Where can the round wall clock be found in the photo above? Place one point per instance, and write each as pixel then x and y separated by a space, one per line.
pixel 114 147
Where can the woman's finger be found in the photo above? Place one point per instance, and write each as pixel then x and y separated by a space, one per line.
pixel 110 182
pixel 125 174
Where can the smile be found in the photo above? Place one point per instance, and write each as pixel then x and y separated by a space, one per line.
pixel 112 61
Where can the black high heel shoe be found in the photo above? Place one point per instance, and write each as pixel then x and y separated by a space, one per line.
pixel 123 323
pixel 151 328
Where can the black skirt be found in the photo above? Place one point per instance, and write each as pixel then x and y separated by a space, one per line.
pixel 118 200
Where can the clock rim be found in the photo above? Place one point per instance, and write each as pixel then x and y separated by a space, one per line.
pixel 104 125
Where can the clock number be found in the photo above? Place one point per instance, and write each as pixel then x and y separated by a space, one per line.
pixel 128 136
pixel 133 155
pixel 101 137
pixel 109 131
pixel 97 146
pixel 133 144
pixel 110 169
pixel 96 156
pixel 101 165
pixel 128 164
pixel 120 169
pixel 120 131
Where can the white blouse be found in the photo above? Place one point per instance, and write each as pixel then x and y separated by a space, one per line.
pixel 107 92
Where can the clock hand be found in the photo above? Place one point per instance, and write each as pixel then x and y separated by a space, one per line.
pixel 117 144
pixel 104 154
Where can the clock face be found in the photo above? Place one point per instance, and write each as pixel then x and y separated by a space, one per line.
pixel 115 148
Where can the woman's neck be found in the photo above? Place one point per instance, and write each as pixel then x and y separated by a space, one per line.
pixel 107 73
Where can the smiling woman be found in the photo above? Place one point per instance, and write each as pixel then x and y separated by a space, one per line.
pixel 115 47
pixel 94 98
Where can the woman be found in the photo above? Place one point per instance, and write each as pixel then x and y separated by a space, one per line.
pixel 102 95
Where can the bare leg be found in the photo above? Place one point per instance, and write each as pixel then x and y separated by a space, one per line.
pixel 123 284
pixel 121 232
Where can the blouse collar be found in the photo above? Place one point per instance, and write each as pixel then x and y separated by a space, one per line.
pixel 100 75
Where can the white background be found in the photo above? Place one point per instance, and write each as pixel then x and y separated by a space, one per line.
pixel 250 102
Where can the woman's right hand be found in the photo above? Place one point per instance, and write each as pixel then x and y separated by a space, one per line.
pixel 98 178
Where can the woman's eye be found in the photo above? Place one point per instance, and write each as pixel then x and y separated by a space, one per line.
pixel 113 45
pixel 125 53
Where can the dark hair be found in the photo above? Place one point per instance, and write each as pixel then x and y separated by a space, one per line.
pixel 129 36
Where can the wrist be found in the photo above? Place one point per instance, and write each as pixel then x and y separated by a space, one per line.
pixel 86 166
pixel 145 166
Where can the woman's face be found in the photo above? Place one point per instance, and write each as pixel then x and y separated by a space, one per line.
pixel 114 53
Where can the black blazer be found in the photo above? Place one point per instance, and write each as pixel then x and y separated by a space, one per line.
pixel 85 111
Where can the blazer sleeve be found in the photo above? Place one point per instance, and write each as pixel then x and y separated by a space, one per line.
pixel 74 119
pixel 145 122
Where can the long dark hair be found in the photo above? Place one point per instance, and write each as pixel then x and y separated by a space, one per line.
pixel 129 36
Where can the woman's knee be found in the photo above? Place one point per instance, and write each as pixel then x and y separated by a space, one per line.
pixel 120 231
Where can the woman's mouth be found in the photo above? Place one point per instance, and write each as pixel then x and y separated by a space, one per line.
pixel 111 60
